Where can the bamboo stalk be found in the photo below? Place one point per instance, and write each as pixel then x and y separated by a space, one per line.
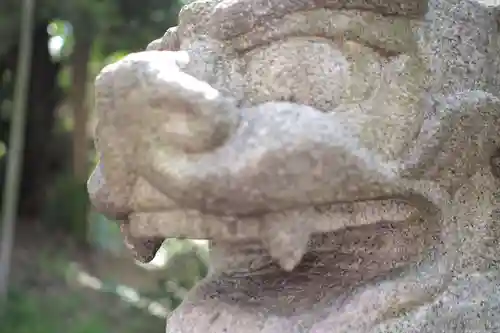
pixel 16 145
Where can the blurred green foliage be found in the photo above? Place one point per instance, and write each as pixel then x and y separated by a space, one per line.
pixel 67 206
pixel 115 27
pixel 114 24
pixel 48 298
pixel 29 313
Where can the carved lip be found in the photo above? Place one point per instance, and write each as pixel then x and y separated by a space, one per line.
pixel 188 223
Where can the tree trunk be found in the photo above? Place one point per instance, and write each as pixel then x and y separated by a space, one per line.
pixel 10 198
pixel 78 95
pixel 42 103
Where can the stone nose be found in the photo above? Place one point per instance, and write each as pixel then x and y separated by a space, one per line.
pixel 148 96
pixel 128 105
pixel 107 200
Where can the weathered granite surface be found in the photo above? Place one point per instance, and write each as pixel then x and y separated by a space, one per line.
pixel 342 156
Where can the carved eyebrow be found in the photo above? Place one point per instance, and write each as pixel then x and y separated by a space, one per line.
pixel 387 35
pixel 231 18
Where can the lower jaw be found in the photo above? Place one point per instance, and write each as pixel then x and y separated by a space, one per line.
pixel 367 269
pixel 373 249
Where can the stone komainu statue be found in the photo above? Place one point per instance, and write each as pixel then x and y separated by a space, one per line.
pixel 338 154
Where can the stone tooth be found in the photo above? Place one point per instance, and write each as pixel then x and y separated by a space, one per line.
pixel 143 249
pixel 286 244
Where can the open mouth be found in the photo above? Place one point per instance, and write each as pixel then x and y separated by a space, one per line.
pixel 285 234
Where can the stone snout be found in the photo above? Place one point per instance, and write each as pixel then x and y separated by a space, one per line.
pixel 145 102
pixel 173 150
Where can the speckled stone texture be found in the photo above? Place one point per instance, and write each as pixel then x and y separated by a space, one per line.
pixel 342 156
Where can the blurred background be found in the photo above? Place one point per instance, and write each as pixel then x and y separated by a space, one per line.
pixel 67 268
